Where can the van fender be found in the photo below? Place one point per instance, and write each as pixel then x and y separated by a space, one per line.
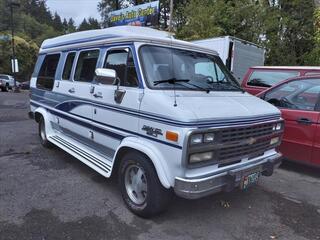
pixel 46 116
pixel 152 152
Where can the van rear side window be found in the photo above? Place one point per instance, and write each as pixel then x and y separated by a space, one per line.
pixel 68 66
pixel 47 72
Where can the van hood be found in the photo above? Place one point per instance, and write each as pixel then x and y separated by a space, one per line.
pixel 202 106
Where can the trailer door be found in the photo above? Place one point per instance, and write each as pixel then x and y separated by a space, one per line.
pixel 245 56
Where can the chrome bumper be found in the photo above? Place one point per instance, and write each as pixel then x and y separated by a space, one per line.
pixel 224 181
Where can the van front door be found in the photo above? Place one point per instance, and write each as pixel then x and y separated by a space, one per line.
pixel 116 113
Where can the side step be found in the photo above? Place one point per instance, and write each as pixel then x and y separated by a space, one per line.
pixel 81 152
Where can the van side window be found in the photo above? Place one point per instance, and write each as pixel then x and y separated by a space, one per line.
pixel 47 72
pixel 86 66
pixel 122 62
pixel 68 66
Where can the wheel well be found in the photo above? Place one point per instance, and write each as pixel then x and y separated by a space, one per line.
pixel 37 116
pixel 120 154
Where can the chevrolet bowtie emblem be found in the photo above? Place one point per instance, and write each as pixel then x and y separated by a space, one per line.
pixel 252 141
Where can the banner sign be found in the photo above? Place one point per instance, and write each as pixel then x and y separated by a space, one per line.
pixel 140 15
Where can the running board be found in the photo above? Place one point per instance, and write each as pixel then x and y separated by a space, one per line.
pixel 86 156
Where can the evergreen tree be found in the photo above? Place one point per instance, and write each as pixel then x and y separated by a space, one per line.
pixel 84 25
pixel 71 26
pixel 57 24
pixel 89 24
pixel 93 23
pixel 65 25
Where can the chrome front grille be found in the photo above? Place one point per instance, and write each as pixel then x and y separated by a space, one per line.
pixel 242 133
pixel 241 151
pixel 236 143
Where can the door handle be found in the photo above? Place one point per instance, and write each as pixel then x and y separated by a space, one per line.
pixel 305 121
pixel 97 95
pixel 71 90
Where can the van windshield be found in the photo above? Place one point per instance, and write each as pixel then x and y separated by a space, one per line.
pixel 169 68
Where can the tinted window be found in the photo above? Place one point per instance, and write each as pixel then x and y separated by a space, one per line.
pixel 47 72
pixel 86 66
pixel 264 78
pixel 299 94
pixel 4 77
pixel 68 66
pixel 122 62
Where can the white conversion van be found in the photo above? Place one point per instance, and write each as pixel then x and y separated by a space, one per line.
pixel 163 115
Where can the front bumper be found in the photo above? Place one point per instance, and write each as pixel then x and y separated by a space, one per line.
pixel 226 180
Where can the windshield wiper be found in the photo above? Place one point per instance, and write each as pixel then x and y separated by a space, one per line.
pixel 221 86
pixel 170 80
pixel 233 85
pixel 179 81
pixel 207 90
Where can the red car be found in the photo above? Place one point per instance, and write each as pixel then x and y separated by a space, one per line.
pixel 299 101
pixel 258 79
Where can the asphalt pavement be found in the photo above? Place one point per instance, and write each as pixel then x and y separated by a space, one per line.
pixel 48 194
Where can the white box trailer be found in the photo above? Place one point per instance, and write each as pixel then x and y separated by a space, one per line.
pixel 237 54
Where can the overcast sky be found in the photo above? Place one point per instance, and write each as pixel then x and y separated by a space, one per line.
pixel 77 9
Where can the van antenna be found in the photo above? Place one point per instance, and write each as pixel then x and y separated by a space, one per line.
pixel 174 81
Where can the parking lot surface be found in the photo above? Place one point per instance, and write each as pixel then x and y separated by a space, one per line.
pixel 47 194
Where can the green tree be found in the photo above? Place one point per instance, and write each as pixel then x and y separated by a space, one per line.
pixel 290 32
pixel 89 24
pixel 71 26
pixel 26 53
pixel 57 23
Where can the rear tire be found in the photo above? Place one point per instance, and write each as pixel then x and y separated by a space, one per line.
pixel 140 186
pixel 43 135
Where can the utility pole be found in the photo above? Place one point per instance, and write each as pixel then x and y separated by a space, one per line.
pixel 13 62
pixel 171 16
pixel 117 5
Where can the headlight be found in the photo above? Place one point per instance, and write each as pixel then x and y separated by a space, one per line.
pixel 277 127
pixel 200 157
pixel 196 139
pixel 202 138
pixel 274 141
pixel 208 137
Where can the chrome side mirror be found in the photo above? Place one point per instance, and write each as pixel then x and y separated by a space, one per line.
pixel 106 76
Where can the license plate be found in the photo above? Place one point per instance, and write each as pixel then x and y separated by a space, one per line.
pixel 250 180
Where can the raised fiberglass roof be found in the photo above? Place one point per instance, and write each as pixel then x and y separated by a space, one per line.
pixel 111 35
pixel 107 33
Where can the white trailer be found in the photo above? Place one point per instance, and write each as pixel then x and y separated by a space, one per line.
pixel 237 54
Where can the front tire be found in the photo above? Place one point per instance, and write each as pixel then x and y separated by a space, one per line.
pixel 43 135
pixel 140 186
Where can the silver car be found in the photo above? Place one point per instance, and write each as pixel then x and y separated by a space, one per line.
pixel 6 82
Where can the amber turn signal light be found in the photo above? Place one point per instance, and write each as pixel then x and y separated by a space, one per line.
pixel 172 136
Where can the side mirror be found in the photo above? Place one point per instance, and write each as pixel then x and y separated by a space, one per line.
pixel 106 76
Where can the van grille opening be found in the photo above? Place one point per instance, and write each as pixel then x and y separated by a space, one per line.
pixel 236 143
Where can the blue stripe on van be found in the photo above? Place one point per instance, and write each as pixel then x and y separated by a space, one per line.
pixel 101 130
pixel 63 98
